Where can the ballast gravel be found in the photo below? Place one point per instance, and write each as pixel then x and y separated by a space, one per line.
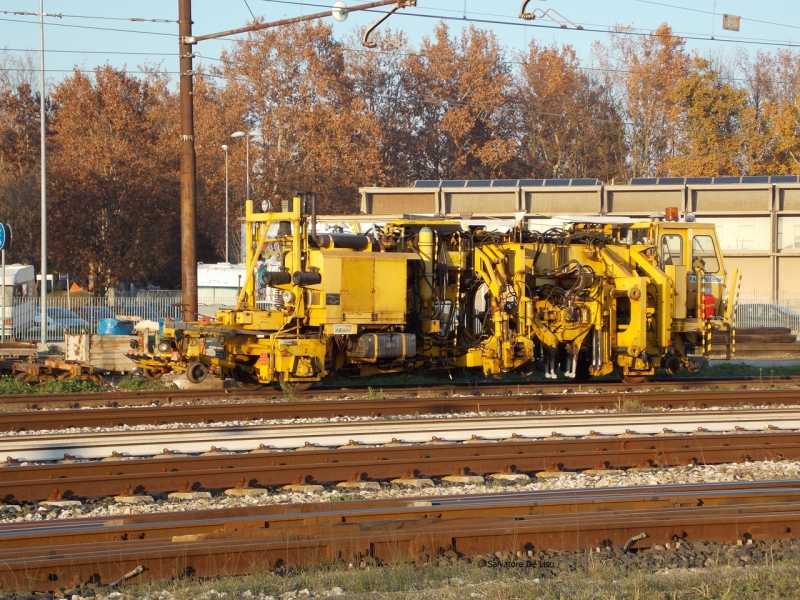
pixel 107 507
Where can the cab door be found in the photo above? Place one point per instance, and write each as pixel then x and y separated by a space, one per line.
pixel 705 248
pixel 673 263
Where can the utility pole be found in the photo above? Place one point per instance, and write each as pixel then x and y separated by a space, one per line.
pixel 188 166
pixel 188 156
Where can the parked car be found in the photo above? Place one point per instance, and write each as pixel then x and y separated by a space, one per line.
pixel 767 315
pixel 61 317
pixel 58 319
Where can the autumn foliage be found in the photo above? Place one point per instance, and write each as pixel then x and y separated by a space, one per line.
pixel 335 116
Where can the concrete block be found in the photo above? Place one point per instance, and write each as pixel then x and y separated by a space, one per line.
pixel 359 485
pixel 416 482
pixel 134 499
pixel 189 496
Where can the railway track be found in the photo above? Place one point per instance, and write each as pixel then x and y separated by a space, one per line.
pixel 27 420
pixel 409 462
pixel 174 397
pixel 54 446
pixel 43 556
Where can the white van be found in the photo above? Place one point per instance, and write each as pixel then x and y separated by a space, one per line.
pixel 20 293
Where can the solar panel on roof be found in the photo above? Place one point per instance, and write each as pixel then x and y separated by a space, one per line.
pixel 426 183
pixel 454 183
pixel 727 179
pixel 698 180
pixel 505 182
pixel 556 182
pixel 755 179
pixel 671 181
pixel 531 182
pixel 784 179
pixel 585 182
pixel 644 181
pixel 479 183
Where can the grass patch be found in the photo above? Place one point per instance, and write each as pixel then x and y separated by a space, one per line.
pixel 9 385
pixel 139 384
pixel 591 578
pixel 633 405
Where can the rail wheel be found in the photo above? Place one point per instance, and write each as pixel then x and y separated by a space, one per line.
pixel 25 377
pixel 196 371
pixel 152 374
pixel 290 387
pixel 630 379
pixel 246 381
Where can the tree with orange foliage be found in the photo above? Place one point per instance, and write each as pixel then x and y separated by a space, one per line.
pixel 292 84
pixel 569 125
pixel 114 196
pixel 643 72
pixel 457 92
pixel 705 118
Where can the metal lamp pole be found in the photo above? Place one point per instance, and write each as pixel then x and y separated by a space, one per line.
pixel 225 148
pixel 42 119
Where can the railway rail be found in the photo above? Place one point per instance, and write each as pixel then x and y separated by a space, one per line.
pixel 27 420
pixel 98 445
pixel 115 399
pixel 409 462
pixel 44 556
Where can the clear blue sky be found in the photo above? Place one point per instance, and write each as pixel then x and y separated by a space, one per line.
pixel 87 42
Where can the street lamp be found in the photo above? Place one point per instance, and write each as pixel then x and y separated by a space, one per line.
pixel 225 148
pixel 248 135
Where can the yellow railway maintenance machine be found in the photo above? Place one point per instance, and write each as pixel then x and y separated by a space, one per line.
pixel 585 299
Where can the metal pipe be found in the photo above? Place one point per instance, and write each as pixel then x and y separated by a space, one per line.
pixel 42 122
pixel 227 227
pixel 313 233
pixel 188 166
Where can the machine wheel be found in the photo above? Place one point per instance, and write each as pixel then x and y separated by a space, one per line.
pixel 630 379
pixel 196 371
pixel 152 374
pixel 290 387
pixel 245 380
pixel 25 377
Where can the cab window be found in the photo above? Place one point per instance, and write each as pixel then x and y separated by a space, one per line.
pixel 671 250
pixel 703 247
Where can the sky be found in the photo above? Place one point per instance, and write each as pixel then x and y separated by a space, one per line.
pixel 95 32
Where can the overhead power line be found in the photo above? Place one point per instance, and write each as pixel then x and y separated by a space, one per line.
pixel 25 13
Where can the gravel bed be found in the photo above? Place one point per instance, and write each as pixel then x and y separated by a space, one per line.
pixel 350 419
pixel 107 507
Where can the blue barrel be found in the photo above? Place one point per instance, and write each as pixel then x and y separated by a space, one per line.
pixel 114 327
pixel 161 326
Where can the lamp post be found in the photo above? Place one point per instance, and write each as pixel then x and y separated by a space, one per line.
pixel 248 135
pixel 225 148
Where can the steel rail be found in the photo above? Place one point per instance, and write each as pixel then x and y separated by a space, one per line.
pixel 275 520
pixel 419 535
pixel 389 390
pixel 295 435
pixel 213 413
pixel 220 471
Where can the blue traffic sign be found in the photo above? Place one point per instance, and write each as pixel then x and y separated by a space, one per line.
pixel 5 236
